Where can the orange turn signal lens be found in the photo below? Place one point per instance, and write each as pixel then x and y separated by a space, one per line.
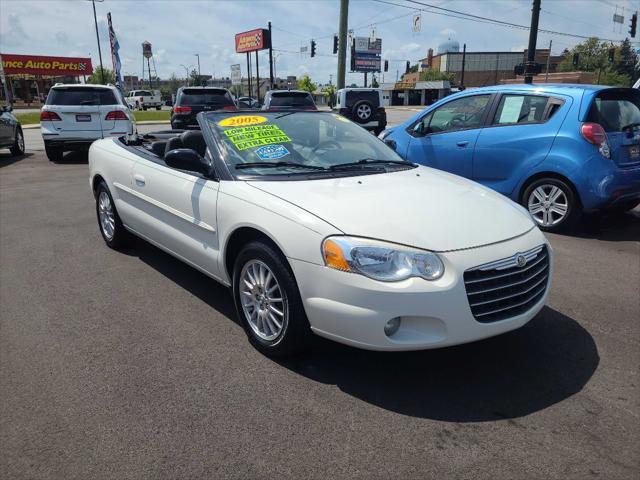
pixel 334 256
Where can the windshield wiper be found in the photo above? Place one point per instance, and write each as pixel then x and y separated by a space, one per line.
pixel 368 161
pixel 277 165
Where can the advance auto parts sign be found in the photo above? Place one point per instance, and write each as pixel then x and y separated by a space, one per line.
pixel 256 136
pixel 252 40
pixel 39 65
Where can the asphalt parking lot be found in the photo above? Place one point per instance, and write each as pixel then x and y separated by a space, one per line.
pixel 133 365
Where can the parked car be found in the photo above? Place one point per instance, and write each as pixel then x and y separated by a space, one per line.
pixel 11 135
pixel 192 100
pixel 144 99
pixel 75 115
pixel 287 100
pixel 559 150
pixel 247 102
pixel 363 106
pixel 319 227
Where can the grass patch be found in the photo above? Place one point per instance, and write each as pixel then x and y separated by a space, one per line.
pixel 140 116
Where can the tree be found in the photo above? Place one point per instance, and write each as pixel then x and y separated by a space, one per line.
pixel 306 84
pixel 96 78
pixel 330 91
pixel 435 75
pixel 593 56
pixel 194 78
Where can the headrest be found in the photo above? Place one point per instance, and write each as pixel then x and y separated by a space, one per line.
pixel 172 144
pixel 193 139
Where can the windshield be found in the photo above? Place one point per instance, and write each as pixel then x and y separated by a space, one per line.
pixel 299 142
pixel 287 99
pixel 201 96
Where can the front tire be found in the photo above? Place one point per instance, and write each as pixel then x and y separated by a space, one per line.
pixel 158 107
pixel 54 154
pixel 268 301
pixel 111 228
pixel 552 204
pixel 18 144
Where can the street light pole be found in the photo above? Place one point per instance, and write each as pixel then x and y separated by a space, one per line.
pixel 342 43
pixel 198 55
pixel 95 20
pixel 533 37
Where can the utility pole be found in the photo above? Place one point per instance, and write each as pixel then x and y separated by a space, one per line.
pixel 464 59
pixel 270 60
pixel 533 37
pixel 546 75
pixel 199 79
pixel 342 43
pixel 95 19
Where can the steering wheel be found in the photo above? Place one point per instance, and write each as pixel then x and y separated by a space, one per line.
pixel 456 121
pixel 324 145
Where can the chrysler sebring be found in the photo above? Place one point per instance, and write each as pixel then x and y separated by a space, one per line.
pixel 318 226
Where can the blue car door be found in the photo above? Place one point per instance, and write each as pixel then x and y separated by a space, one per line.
pixel 445 137
pixel 517 137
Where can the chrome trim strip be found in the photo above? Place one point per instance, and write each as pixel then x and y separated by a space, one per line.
pixel 540 270
pixel 524 269
pixel 166 208
pixel 509 261
pixel 544 279
pixel 514 305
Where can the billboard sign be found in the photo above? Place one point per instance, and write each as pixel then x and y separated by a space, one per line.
pixel 236 75
pixel 365 54
pixel 41 65
pixel 252 40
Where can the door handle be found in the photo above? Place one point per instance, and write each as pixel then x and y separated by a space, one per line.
pixel 139 180
pixel 462 144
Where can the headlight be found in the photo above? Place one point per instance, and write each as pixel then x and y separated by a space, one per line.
pixel 382 261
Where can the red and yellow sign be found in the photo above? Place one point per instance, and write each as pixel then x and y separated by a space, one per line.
pixel 252 40
pixel 40 65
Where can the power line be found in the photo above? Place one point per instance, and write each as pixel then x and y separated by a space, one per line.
pixel 447 12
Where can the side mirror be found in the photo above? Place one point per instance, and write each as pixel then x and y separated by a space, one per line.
pixel 186 159
pixel 419 128
pixel 391 143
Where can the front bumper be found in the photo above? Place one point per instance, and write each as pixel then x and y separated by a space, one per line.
pixel 353 309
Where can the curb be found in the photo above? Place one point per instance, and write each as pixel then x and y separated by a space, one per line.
pixel 31 126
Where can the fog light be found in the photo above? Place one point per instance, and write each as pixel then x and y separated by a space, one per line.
pixel 392 326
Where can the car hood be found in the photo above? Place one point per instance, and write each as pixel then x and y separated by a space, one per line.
pixel 421 207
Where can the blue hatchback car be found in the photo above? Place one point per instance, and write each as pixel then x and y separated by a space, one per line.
pixel 559 150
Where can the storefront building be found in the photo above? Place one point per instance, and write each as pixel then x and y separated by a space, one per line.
pixel 29 77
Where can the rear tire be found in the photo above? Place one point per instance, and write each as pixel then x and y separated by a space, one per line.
pixel 54 154
pixel 111 228
pixel 552 203
pixel 144 108
pixel 158 107
pixel 18 143
pixel 268 301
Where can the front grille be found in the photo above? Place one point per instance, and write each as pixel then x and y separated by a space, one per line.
pixel 502 289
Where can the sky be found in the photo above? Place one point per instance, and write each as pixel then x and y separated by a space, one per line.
pixel 178 29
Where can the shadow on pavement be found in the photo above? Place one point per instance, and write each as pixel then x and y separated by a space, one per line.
pixel 72 158
pixel 509 376
pixel 611 226
pixel 7 159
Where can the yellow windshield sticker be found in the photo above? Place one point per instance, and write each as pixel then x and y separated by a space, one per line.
pixel 256 136
pixel 242 121
pixel 340 117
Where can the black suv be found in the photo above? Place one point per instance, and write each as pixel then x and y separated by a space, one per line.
pixel 363 106
pixel 192 100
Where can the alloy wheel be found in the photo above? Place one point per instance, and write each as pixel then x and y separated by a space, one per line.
pixel 106 214
pixel 20 141
pixel 364 111
pixel 548 205
pixel 263 302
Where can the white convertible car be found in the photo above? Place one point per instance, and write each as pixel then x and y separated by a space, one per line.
pixel 318 226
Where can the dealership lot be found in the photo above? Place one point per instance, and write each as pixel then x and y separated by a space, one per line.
pixel 133 365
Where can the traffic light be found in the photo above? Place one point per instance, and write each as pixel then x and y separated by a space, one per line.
pixel 313 48
pixel 335 44
pixel 612 54
pixel 632 26
pixel 576 59
pixel 386 65
pixel 408 67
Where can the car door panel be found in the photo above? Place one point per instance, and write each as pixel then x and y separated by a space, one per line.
pixel 448 135
pixel 6 129
pixel 504 152
pixel 177 210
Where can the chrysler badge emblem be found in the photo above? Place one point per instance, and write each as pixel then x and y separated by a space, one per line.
pixel 521 260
